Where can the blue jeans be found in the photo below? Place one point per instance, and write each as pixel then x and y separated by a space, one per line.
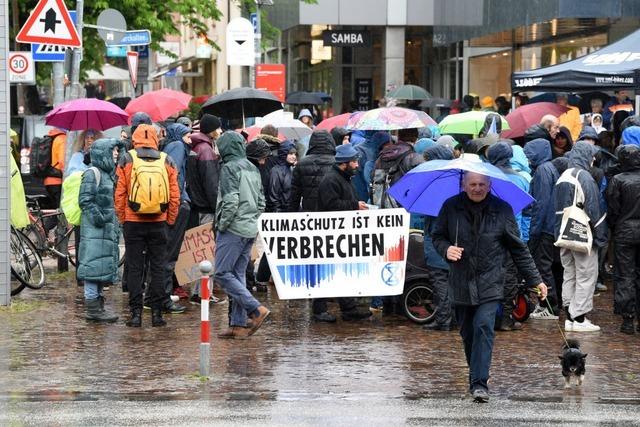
pixel 92 290
pixel 233 253
pixel 476 328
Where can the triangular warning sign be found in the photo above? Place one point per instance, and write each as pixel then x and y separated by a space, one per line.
pixel 49 23
pixel 132 61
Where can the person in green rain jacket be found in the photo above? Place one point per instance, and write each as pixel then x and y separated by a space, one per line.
pixel 99 229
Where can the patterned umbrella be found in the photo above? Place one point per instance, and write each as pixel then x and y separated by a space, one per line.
pixel 390 118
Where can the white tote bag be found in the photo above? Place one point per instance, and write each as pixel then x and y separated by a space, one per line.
pixel 575 230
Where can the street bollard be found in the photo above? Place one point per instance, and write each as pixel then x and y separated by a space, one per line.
pixel 205 329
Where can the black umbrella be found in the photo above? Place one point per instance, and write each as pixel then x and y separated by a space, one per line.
pixel 120 101
pixel 585 100
pixel 304 98
pixel 242 102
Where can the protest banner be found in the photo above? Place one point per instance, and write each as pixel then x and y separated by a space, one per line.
pixel 336 254
pixel 198 245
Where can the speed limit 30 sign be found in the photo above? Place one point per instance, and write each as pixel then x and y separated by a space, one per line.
pixel 21 68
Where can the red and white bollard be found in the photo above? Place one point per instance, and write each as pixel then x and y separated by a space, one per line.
pixel 205 327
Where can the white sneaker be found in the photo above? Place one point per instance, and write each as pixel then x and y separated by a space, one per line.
pixel 175 298
pixel 541 313
pixel 568 326
pixel 585 326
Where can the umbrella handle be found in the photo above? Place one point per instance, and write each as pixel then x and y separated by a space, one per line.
pixel 456 242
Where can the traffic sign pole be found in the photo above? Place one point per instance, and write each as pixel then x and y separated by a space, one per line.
pixel 75 71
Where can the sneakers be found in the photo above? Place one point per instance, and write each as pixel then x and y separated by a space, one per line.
pixel 543 313
pixel 195 300
pixel 480 395
pixel 600 287
pixel 568 326
pixel 175 298
pixel 180 293
pixel 174 308
pixel 585 326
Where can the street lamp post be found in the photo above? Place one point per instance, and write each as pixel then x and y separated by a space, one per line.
pixel 258 37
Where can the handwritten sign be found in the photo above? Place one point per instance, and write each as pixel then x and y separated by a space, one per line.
pixel 198 245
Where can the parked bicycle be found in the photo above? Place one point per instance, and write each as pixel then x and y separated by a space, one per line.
pixel 47 242
pixel 27 269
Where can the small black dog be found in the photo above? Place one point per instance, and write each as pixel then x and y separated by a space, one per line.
pixel 573 362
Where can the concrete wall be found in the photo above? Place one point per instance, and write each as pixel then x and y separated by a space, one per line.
pixel 5 272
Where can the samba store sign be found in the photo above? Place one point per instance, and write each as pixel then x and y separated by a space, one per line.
pixel 336 254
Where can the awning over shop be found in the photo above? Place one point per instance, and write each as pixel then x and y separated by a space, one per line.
pixel 614 67
pixel 109 72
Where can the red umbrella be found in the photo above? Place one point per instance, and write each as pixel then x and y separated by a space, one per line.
pixel 339 121
pixel 86 113
pixel 159 104
pixel 522 118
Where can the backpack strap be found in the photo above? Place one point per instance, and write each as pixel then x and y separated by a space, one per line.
pixel 97 174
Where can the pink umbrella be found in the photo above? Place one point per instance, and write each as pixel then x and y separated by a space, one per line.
pixel 390 118
pixel 522 118
pixel 159 104
pixel 336 121
pixel 86 113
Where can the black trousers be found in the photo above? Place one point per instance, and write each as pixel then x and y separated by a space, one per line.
pixel 542 248
pixel 444 307
pixel 510 289
pixel 151 236
pixel 319 305
pixel 627 277
pixel 174 243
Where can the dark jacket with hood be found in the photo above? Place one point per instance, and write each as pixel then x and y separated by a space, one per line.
pixel 308 173
pixel 241 198
pixel 203 173
pixel 179 151
pixel 623 197
pixel 487 231
pixel 99 231
pixel 567 134
pixel 401 154
pixel 542 186
pixel 536 132
pixel 338 194
pixel 279 190
pixel 580 158
pixel 272 160
pixel 431 257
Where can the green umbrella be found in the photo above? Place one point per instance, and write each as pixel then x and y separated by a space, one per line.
pixel 409 92
pixel 469 123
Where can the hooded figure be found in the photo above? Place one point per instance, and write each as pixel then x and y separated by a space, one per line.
pixel 438 152
pixel 631 136
pixel 310 171
pixel 279 191
pixel 368 152
pixel 179 150
pixel 580 269
pixel 623 197
pixel 338 134
pixel 98 253
pixel 589 133
pixel 500 155
pixel 520 163
pixel 563 142
pixel 424 143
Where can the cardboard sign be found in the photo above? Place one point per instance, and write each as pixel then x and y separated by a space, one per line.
pixel 198 245
pixel 336 254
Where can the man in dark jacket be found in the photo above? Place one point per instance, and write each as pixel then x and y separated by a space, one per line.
pixel 402 155
pixel 546 129
pixel 338 194
pixel 438 267
pixel 475 231
pixel 269 134
pixel 203 171
pixel 580 269
pixel 541 229
pixel 310 170
pixel 623 197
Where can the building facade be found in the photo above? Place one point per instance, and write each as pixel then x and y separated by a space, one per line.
pixel 449 47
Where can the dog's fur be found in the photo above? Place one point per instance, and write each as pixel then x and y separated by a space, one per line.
pixel 573 362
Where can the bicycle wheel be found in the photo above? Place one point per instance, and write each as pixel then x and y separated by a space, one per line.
pixel 25 261
pixel 16 285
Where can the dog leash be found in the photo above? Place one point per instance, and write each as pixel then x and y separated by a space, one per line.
pixel 557 320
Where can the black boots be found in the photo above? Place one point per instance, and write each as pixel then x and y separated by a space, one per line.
pixel 627 325
pixel 136 318
pixel 156 317
pixel 95 311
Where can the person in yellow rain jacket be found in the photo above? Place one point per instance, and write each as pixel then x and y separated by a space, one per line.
pixel 570 119
pixel 19 214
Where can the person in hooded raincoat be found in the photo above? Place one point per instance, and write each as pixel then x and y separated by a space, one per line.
pixel 279 191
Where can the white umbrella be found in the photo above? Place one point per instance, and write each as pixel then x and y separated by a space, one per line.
pixel 285 123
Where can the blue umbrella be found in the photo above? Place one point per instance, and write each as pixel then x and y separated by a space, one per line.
pixel 425 188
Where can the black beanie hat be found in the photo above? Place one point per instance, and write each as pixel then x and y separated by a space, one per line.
pixel 209 123
pixel 258 149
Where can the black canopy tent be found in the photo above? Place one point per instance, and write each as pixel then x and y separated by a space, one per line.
pixel 614 67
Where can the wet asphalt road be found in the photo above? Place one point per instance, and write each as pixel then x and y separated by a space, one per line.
pixel 58 369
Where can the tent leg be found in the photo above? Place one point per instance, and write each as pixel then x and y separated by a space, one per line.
pixel 637 109
pixel 513 102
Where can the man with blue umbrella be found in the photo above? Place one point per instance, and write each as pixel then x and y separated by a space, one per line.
pixel 474 232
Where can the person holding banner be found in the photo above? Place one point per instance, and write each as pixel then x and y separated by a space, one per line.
pixel 338 194
pixel 240 203
pixel 475 231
